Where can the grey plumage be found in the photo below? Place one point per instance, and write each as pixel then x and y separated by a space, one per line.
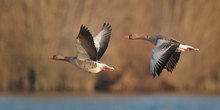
pixel 89 50
pixel 165 54
pixel 102 40
pixel 85 40
pixel 160 57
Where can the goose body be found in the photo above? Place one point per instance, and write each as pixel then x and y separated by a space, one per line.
pixel 165 54
pixel 89 50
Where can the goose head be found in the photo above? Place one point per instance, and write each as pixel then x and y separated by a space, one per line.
pixel 133 36
pixel 57 57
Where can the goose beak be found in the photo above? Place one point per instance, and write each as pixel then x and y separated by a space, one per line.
pixel 127 36
pixel 50 57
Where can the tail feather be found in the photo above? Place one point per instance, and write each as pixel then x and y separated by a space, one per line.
pixel 183 48
pixel 192 48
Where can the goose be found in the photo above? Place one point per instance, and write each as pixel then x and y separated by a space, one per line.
pixel 165 54
pixel 89 50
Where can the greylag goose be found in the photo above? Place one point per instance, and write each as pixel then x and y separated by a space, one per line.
pixel 89 50
pixel 166 52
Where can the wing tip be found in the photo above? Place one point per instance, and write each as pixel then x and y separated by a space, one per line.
pixel 107 26
pixel 155 74
pixel 84 30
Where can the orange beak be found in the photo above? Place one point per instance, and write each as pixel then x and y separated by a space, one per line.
pixel 50 57
pixel 126 36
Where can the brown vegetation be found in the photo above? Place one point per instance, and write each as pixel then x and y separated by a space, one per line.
pixel 30 30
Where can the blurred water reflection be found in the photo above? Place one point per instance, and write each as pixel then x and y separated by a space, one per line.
pixel 111 102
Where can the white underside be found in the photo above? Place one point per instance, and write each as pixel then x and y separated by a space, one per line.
pixel 183 48
pixel 95 70
pixel 99 67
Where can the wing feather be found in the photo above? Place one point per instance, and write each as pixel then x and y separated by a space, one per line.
pixel 161 55
pixel 85 44
pixel 173 61
pixel 102 39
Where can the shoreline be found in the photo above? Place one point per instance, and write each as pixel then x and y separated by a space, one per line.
pixel 106 94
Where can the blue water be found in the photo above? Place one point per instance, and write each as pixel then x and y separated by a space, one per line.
pixel 111 102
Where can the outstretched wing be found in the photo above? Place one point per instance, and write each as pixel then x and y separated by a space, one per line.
pixel 85 45
pixel 173 61
pixel 161 55
pixel 102 39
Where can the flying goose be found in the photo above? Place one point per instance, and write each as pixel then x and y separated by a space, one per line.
pixel 166 52
pixel 89 50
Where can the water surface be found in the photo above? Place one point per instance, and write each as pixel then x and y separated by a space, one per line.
pixel 111 102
